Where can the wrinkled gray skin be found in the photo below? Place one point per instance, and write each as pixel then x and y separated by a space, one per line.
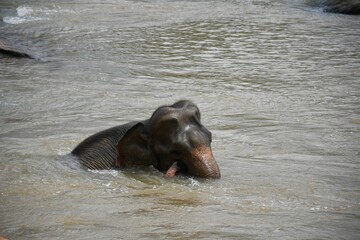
pixel 173 141
pixel 99 150
pixel 13 50
pixel 342 6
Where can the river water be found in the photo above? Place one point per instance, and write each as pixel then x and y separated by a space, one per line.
pixel 277 82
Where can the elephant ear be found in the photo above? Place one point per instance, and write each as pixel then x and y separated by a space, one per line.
pixel 133 149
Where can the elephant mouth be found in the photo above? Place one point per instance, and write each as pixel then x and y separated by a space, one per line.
pixel 176 168
pixel 200 163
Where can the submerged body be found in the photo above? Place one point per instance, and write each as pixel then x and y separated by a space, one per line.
pixel 173 140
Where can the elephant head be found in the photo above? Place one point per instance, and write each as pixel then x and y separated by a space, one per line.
pixel 172 140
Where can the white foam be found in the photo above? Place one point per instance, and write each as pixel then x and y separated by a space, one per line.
pixel 13 20
pixel 29 14
pixel 105 172
pixel 24 11
pixel 24 14
pixel 194 183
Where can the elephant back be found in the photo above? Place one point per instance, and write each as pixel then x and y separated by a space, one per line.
pixel 98 151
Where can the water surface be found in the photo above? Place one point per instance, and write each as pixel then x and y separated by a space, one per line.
pixel 277 82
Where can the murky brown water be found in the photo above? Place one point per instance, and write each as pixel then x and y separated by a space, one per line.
pixel 278 83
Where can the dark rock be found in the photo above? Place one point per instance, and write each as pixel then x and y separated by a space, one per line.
pixel 342 6
pixel 13 50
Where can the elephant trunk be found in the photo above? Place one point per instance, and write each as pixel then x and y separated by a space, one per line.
pixel 201 163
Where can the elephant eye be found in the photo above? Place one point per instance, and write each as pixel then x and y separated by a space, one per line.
pixel 206 133
pixel 195 119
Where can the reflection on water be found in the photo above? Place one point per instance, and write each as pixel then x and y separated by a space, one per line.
pixel 277 83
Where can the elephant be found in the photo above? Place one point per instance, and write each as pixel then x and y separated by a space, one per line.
pixel 172 140
pixel 342 6
pixel 13 50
